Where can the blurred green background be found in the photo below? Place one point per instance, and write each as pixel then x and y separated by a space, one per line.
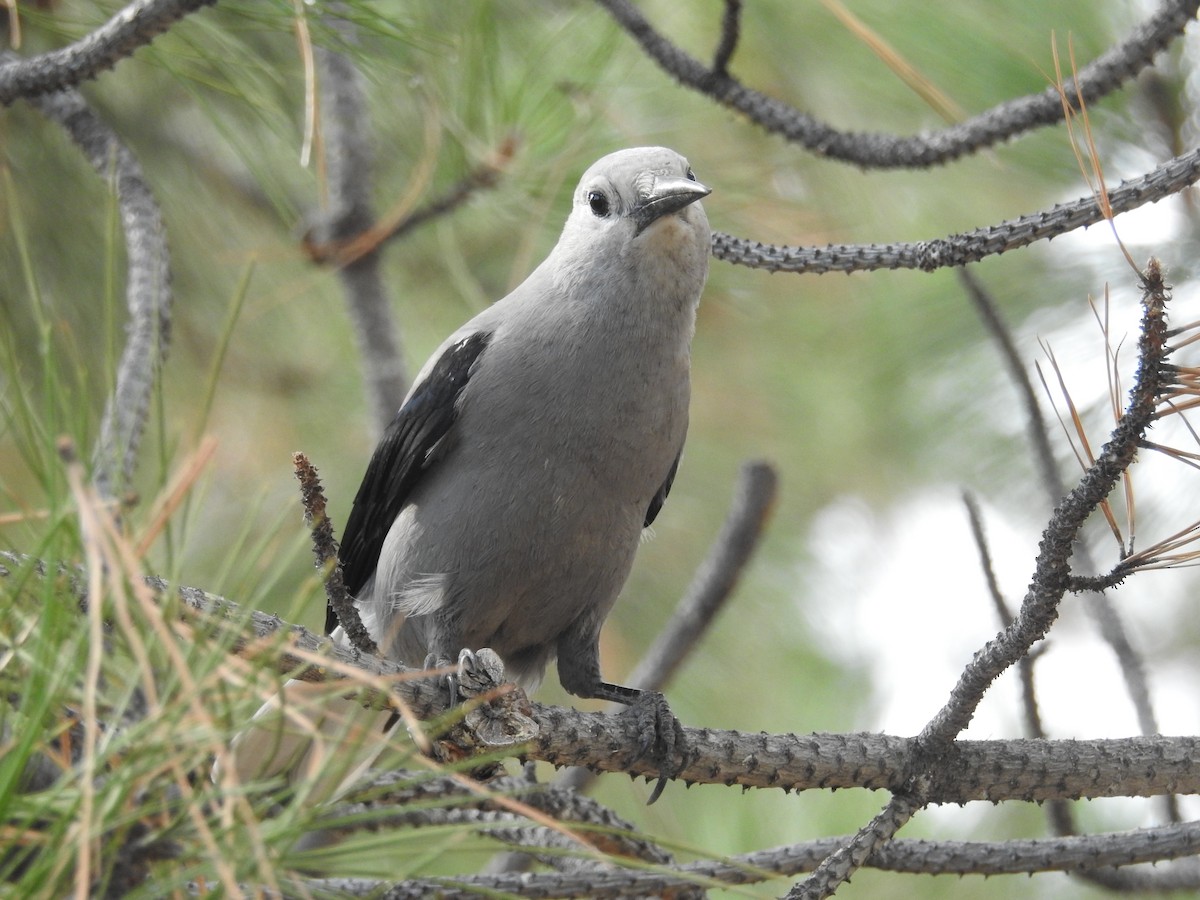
pixel 877 395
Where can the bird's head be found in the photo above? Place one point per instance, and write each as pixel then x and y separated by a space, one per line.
pixel 639 210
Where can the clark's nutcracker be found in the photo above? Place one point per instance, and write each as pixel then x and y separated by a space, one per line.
pixel 505 502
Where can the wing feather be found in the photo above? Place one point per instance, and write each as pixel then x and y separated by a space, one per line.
pixel 404 454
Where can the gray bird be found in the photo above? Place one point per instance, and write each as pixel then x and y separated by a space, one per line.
pixel 506 500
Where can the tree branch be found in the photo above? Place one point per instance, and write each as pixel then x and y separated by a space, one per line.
pixel 1052 571
pixel 1029 770
pixel 392 799
pixel 730 32
pixel 134 26
pixel 877 150
pixel 1093 854
pixel 1096 603
pixel 346 132
pixel 325 549
pixel 147 289
pixel 838 867
pixel 969 246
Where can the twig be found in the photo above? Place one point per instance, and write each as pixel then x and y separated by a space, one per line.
pixel 1093 853
pixel 730 29
pixel 715 579
pixel 966 247
pixel 325 550
pixel 148 290
pixel 1033 721
pixel 1058 812
pixel 1101 77
pixel 838 867
pixel 1050 579
pixel 1096 603
pixel 346 133
pixel 394 799
pixel 484 176
pixel 134 26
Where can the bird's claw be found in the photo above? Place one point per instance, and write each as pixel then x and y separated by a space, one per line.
pixel 433 661
pixel 479 671
pixel 660 737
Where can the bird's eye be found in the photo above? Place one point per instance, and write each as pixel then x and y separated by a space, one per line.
pixel 598 203
pixel 691 176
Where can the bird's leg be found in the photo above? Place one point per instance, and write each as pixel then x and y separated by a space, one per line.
pixel 659 730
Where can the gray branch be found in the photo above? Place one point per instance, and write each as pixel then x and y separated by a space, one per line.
pixel 1028 770
pixel 1093 854
pixel 346 131
pixel 1040 607
pixel 397 799
pixel 838 867
pixel 1104 75
pixel 970 246
pixel 1097 604
pixel 147 289
pixel 134 26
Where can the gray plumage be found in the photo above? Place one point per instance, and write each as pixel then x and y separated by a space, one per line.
pixel 505 502
pixel 568 421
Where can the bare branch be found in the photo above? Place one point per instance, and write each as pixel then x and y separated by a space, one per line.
pixel 1033 721
pixel 966 247
pixel 1093 854
pixel 1039 435
pixel 1029 770
pixel 325 550
pixel 394 799
pixel 147 290
pixel 730 30
pixel 1050 580
pixel 876 150
pixel 346 131
pixel 483 177
pixel 715 579
pixel 1096 603
pixel 840 865
pixel 134 26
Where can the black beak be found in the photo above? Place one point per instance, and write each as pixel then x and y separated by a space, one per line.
pixel 667 195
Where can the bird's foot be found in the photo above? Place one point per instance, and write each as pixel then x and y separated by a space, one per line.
pixel 661 739
pixel 500 716
pixel 661 736
pixel 504 717
pixel 479 671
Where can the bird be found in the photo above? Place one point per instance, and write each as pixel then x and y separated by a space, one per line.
pixel 504 504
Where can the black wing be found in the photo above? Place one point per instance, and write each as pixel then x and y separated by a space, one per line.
pixel 401 458
pixel 660 497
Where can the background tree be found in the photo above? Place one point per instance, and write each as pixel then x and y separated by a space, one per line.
pixel 416 163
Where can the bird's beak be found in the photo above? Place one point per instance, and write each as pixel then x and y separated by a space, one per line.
pixel 667 195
